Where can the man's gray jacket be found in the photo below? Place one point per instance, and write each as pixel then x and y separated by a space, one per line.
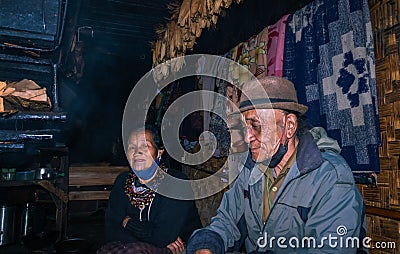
pixel 318 208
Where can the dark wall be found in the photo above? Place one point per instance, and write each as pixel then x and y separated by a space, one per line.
pixel 115 58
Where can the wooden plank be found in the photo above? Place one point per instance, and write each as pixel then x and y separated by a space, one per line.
pixel 89 195
pixel 53 189
pixel 387 213
pixel 383 149
pixel 104 169
pixel 396 115
pixel 386 110
pixel 372 195
pixel 393 195
pixel 94 175
pixel 384 176
pixel 394 147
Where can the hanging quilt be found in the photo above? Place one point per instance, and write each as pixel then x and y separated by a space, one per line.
pixel 329 56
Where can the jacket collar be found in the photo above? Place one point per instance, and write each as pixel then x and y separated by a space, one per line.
pixel 308 154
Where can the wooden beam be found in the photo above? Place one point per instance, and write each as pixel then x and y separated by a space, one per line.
pixel 94 175
pixel 387 213
pixel 89 195
pixel 53 189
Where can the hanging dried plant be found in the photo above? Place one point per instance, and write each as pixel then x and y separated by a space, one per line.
pixel 217 6
pixel 165 68
pixel 191 42
pixel 208 22
pixel 156 73
pixel 163 50
pixel 169 39
pixel 214 19
pixel 152 46
pixel 160 31
pixel 174 8
pixel 186 34
pixel 184 12
pixel 204 14
pixel 178 39
pixel 177 63
pixel 198 31
pixel 192 28
pixel 156 53
pixel 226 3
pixel 186 23
pixel 172 43
pixel 210 5
pixel 195 8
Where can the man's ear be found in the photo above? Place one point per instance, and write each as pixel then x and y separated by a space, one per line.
pixel 291 125
pixel 160 152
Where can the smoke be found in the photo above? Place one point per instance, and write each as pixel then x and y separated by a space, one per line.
pixel 95 105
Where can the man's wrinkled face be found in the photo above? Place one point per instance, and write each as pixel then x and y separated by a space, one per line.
pixel 263 130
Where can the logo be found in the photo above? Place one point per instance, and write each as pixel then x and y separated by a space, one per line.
pixel 331 241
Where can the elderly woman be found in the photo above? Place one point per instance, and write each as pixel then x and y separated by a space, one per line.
pixel 138 218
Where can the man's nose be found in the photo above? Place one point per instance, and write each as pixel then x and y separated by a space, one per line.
pixel 248 135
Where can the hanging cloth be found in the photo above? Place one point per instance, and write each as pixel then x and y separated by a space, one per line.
pixel 329 56
pixel 275 47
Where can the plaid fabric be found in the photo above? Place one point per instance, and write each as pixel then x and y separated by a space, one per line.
pixel 131 248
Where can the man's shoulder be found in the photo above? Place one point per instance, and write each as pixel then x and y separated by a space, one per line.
pixel 338 164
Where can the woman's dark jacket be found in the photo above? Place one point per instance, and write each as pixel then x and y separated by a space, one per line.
pixel 167 219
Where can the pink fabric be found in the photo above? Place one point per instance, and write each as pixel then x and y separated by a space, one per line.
pixel 275 48
pixel 262 54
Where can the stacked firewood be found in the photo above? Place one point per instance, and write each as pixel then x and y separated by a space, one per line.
pixel 24 95
pixel 179 35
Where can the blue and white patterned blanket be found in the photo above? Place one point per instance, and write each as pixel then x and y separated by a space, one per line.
pixel 329 55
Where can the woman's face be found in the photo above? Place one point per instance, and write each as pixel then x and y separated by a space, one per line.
pixel 142 150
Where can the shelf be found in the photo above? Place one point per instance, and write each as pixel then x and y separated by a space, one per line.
pixel 14 183
pixel 40 116
pixel 46 184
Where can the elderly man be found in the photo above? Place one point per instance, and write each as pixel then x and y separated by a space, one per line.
pixel 292 195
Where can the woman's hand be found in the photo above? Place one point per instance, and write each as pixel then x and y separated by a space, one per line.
pixel 125 221
pixel 176 247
